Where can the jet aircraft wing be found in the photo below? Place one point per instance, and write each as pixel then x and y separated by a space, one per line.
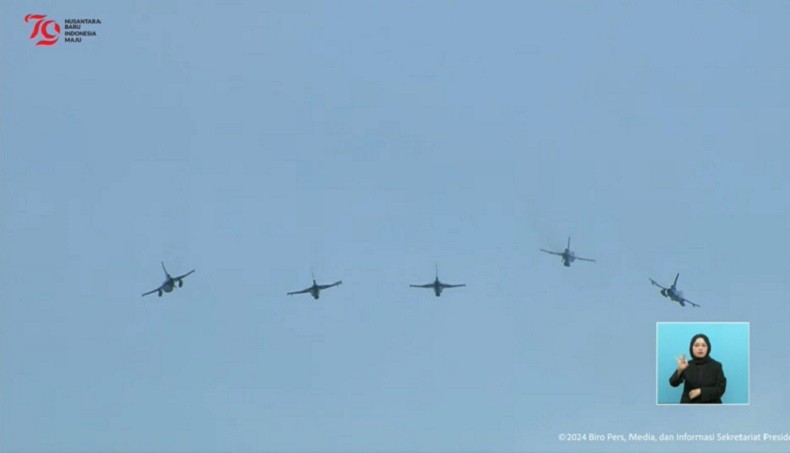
pixel 182 276
pixel 585 259
pixel 427 285
pixel 654 282
pixel 447 285
pixel 329 286
pixel 549 251
pixel 152 291
pixel 690 302
pixel 301 292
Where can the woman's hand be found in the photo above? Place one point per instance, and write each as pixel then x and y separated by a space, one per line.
pixel 682 363
pixel 694 393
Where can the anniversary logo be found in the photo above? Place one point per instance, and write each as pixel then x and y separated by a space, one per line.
pixel 48 31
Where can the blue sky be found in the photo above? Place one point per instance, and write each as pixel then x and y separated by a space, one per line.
pixel 258 142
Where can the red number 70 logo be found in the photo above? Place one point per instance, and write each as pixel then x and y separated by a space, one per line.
pixel 42 27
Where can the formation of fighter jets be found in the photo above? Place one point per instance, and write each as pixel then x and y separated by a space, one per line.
pixel 567 255
pixel 314 290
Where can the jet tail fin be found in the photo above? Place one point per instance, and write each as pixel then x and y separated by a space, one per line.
pixel 163 268
pixel 676 280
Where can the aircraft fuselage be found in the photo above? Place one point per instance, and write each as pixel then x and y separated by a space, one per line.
pixel 170 284
pixel 673 294
pixel 437 287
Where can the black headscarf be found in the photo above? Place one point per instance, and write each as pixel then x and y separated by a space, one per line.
pixel 696 360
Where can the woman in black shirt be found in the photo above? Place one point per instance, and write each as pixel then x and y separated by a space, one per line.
pixel 703 377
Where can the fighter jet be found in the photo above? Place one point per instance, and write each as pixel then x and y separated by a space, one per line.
pixel 316 289
pixel 567 256
pixel 673 293
pixel 437 285
pixel 170 283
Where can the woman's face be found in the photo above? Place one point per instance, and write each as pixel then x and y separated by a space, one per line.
pixel 700 348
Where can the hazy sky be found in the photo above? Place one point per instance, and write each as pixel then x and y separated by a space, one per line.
pixel 367 142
